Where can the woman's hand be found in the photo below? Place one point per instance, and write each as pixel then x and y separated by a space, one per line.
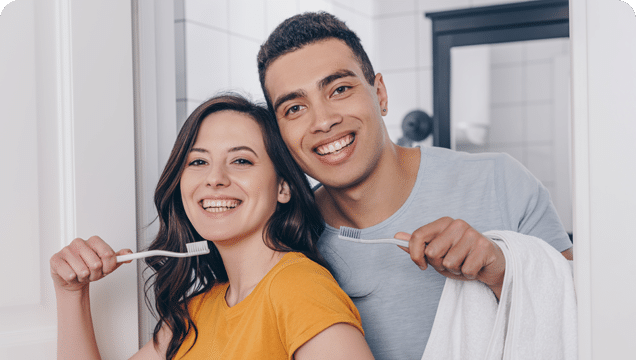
pixel 83 261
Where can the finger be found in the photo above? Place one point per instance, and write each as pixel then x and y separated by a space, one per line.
pixel 486 263
pixel 422 237
pixel 71 254
pixel 92 261
pixel 61 271
pixel 105 253
pixel 455 258
pixel 123 252
pixel 438 248
pixel 403 236
pixel 473 264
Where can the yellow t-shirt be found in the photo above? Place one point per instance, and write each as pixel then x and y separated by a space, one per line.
pixel 295 301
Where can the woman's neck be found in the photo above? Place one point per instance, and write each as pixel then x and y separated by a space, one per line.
pixel 246 261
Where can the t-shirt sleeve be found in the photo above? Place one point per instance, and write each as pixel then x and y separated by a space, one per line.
pixel 307 300
pixel 528 205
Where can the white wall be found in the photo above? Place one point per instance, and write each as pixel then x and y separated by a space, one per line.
pixel 67 160
pixel 603 34
pixel 217 41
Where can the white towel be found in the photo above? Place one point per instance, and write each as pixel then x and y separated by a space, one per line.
pixel 535 318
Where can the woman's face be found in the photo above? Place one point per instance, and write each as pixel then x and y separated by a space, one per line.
pixel 229 187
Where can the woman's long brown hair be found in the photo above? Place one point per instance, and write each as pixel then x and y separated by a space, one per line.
pixel 294 226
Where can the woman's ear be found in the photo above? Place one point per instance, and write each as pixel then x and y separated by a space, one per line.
pixel 284 194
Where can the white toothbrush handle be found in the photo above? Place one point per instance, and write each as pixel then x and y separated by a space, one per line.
pixel 392 241
pixel 403 243
pixel 144 254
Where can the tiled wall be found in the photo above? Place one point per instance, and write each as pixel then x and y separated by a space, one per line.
pixel 217 41
pixel 404 53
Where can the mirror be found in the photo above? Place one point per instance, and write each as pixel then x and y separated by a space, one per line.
pixel 499 87
pixel 514 98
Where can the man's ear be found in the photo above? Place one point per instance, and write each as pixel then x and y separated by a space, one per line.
pixel 284 194
pixel 383 97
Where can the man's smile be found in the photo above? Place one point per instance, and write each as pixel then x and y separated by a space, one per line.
pixel 335 146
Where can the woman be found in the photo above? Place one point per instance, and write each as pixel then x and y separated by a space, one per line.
pixel 260 293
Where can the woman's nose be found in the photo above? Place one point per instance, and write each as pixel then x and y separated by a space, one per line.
pixel 217 176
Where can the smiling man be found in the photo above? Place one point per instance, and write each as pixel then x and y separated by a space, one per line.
pixel 329 104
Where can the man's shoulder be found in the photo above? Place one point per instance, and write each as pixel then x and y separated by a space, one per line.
pixel 462 156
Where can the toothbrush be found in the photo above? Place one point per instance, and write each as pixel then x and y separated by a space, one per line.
pixel 194 249
pixel 351 234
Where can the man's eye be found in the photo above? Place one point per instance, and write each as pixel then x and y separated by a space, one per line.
pixel 294 109
pixel 340 90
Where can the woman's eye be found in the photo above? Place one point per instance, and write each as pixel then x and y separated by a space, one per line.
pixel 197 162
pixel 242 162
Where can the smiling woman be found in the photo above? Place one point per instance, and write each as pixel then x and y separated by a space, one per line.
pixel 229 180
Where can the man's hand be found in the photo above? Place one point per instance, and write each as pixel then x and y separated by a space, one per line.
pixel 457 251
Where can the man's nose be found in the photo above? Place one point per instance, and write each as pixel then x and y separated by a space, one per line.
pixel 325 117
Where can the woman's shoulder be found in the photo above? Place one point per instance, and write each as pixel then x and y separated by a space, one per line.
pixel 299 279
pixel 297 266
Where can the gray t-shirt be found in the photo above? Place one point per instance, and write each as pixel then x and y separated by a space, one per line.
pixel 398 301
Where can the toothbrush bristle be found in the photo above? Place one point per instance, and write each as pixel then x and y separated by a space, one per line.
pixel 350 232
pixel 199 247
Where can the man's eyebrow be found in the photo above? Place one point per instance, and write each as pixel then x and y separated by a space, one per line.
pixel 289 96
pixel 335 76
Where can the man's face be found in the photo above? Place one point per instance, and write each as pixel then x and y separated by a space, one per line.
pixel 329 115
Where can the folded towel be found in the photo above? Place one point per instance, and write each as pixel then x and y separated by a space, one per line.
pixel 534 319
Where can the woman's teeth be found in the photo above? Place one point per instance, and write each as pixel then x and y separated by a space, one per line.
pixel 335 146
pixel 219 205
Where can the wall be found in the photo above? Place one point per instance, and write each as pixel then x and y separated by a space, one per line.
pixel 604 129
pixel 67 160
pixel 217 41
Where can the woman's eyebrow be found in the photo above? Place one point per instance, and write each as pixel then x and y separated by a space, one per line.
pixel 233 149
pixel 240 148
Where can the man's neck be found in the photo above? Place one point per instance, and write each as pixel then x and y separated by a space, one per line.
pixel 376 197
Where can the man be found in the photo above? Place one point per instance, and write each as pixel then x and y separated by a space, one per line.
pixel 329 103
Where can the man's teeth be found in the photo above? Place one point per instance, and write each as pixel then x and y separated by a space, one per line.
pixel 335 146
pixel 219 205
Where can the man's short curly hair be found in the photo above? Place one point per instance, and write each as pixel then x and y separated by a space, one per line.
pixel 304 29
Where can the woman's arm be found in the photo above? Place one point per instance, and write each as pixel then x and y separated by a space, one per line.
pixel 72 270
pixel 150 352
pixel 338 342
